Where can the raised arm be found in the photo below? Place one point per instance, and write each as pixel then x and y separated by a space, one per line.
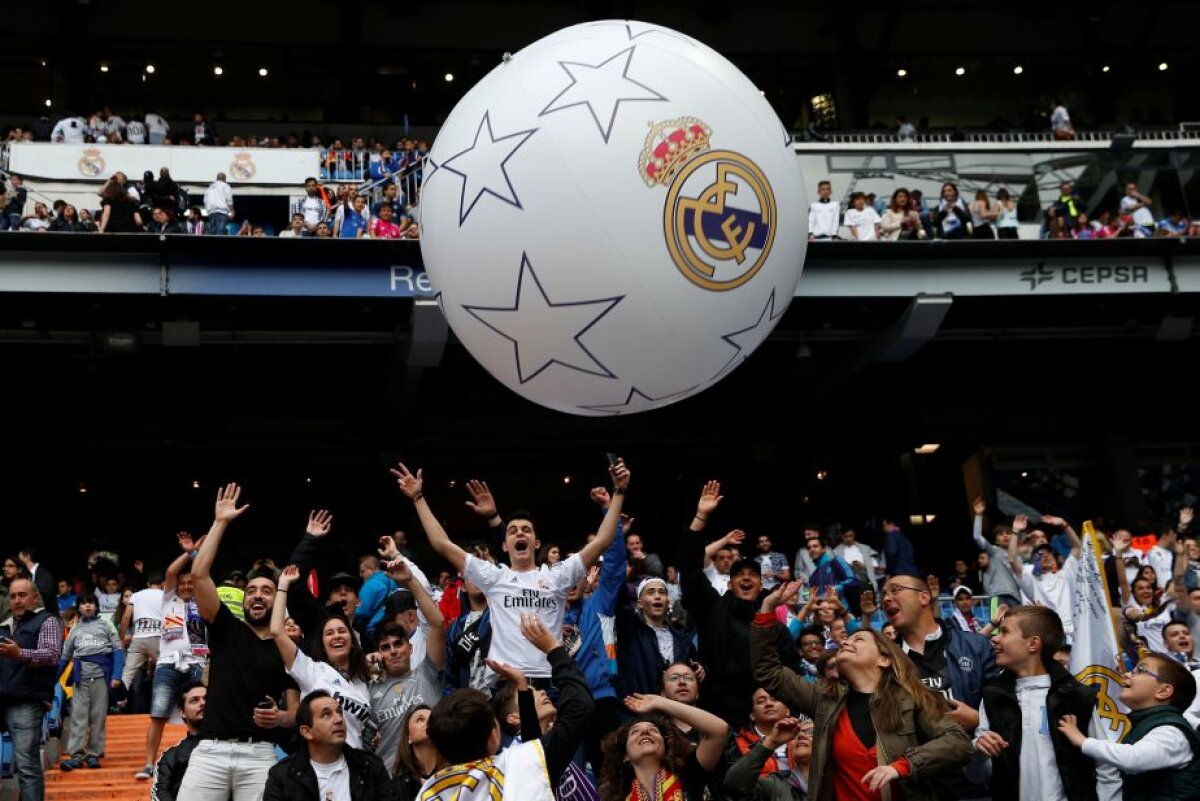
pixel 226 511
pixel 698 592
pixel 287 648
pixel 1014 559
pixel 435 639
pixel 978 507
pixel 769 672
pixel 714 733
pixel 412 485
pixel 189 547
pixel 575 704
pixel 608 527
pixel 735 537
pixel 1072 537
pixel 1121 541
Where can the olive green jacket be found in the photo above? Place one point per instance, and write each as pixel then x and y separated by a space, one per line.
pixel 932 747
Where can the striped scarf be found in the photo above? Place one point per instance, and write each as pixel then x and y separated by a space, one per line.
pixel 666 788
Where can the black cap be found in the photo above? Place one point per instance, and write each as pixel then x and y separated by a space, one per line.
pixel 342 579
pixel 399 601
pixel 236 574
pixel 745 563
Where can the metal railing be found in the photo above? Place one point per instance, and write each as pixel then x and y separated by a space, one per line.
pixel 1183 134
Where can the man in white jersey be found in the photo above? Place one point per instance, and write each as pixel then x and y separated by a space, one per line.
pixel 464 728
pixel 523 586
pixel 143 617
pixel 1045 582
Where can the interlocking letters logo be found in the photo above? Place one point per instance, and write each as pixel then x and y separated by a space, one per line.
pixel 714 243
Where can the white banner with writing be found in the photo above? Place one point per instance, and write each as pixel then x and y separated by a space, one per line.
pixel 194 165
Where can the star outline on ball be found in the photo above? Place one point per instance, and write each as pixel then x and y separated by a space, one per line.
pixel 608 304
pixel 617 409
pixel 605 132
pixel 628 26
pixel 769 315
pixel 464 210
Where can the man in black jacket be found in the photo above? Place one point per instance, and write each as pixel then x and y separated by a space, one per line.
pixel 325 768
pixel 723 621
pixel 168 773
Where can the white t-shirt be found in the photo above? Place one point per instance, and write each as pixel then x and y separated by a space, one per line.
pixel 351 694
pixel 313 209
pixel 1060 120
pixel 135 132
pixel 1142 216
pixel 862 223
pixel 823 218
pixel 509 593
pixel 719 581
pixel 157 125
pixel 1150 629
pixel 184 635
pixel 69 130
pixel 147 613
pixel 333 780
pixel 1054 590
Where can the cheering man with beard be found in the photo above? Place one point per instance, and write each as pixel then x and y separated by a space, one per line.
pixel 246 679
pixel 523 586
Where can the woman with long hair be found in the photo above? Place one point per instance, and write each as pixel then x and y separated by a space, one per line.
pixel 337 664
pixel 900 219
pixel 951 216
pixel 874 725
pixel 648 759
pixel 417 758
pixel 982 216
pixel 119 212
pixel 1006 215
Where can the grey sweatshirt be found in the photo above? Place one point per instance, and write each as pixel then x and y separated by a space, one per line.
pixel 89 638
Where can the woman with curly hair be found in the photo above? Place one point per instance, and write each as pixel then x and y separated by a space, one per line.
pixel 648 759
pixel 875 725
pixel 337 664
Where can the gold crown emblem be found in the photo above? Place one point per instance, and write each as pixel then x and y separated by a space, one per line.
pixel 669 145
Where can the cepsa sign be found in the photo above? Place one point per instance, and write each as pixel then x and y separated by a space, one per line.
pixel 1090 275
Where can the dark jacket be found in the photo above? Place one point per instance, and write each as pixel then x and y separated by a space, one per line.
pixel 293 779
pixel 972 663
pixel 639 662
pixel 458 660
pixel 20 681
pixel 1066 696
pixel 1179 783
pixel 934 747
pixel 168 773
pixel 723 628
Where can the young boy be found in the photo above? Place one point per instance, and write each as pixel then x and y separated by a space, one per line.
pixel 91 644
pixel 1157 758
pixel 1018 720
pixel 862 220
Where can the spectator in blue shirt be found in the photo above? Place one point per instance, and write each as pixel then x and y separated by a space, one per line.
pixel 377 586
pixel 832 571
pixel 1174 224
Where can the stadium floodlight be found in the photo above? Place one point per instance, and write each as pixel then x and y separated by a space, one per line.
pixel 901 73
pixel 1017 70
pixel 961 71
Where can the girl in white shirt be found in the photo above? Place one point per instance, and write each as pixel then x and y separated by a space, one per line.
pixel 338 665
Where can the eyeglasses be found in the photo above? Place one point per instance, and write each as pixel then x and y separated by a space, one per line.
pixel 894 589
pixel 688 677
pixel 1148 672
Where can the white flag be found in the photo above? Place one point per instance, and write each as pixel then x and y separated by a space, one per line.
pixel 1095 656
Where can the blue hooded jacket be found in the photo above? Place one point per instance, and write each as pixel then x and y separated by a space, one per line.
pixel 595 650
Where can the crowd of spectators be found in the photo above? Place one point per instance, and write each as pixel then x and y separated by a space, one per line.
pixel 525 670
pixel 908 216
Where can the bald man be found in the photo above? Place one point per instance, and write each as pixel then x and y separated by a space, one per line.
pixel 30 646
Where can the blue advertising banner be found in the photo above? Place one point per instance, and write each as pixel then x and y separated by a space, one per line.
pixel 300 280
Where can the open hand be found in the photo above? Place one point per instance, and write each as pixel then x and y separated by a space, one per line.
pixel 482 502
pixel 978 506
pixel 512 674
pixel 227 509
pixel 319 522
pixel 642 704
pixel 536 632
pixel 288 576
pixel 186 543
pixel 1020 523
pixel 410 484
pixel 1186 514
pixel 783 731
pixel 710 498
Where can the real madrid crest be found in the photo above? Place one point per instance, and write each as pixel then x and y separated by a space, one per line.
pixel 243 167
pixel 91 165
pixel 719 218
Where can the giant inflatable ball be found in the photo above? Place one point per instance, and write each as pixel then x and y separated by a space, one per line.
pixel 613 219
